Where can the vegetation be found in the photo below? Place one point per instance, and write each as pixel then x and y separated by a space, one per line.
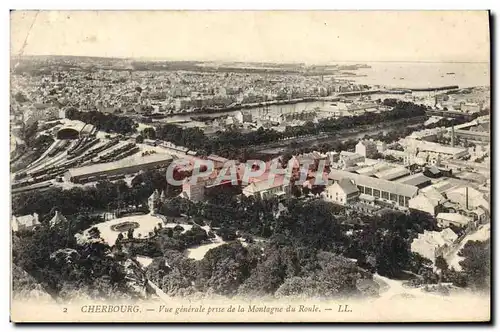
pixel 476 265
pixel 309 248
pixel 105 195
pixel 20 97
pixel 61 266
pixel 109 123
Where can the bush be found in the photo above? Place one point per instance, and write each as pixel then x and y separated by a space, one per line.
pixel 227 234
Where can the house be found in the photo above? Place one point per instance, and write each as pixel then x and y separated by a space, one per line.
pixel 367 149
pixel 243 117
pixel 428 200
pixel 432 244
pixel 343 192
pixel 27 222
pixel 194 191
pixel 217 161
pixel 455 219
pixel 391 192
pixel 58 219
pixel 155 200
pixel 311 160
pixel 432 172
pixel 271 185
pixel 467 197
pixel 348 159
pixel 481 214
pixel 332 157
pixel 423 203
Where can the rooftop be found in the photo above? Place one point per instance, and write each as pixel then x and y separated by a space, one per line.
pixel 266 184
pixel 436 239
pixel 455 217
pixel 414 179
pixel 347 186
pixel 124 163
pixel 392 173
pixel 380 184
pixel 438 148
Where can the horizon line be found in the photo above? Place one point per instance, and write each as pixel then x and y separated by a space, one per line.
pixel 248 61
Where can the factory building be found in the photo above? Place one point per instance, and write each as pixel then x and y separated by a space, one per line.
pixel 118 168
pixel 395 193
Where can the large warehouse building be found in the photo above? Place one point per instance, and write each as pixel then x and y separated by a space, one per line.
pixel 390 191
pixel 118 168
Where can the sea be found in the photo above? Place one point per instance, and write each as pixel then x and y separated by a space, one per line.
pixel 423 74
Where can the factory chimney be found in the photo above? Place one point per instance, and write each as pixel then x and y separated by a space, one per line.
pixel 452 136
pixel 467 198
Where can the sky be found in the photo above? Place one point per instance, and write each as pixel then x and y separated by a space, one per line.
pixel 315 37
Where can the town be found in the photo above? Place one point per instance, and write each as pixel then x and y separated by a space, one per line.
pixel 242 179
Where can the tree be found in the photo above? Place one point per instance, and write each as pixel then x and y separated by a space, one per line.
pixel 139 139
pixel 20 97
pixel 317 189
pixel 306 191
pixel 149 133
pixel 94 233
pixel 227 234
pixel 296 191
pixel 441 263
pixel 130 233
pixel 476 264
pixel 267 276
pixel 119 239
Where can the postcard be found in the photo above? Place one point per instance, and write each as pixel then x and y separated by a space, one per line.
pixel 250 166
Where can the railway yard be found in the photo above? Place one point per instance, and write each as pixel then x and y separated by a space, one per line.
pixel 92 147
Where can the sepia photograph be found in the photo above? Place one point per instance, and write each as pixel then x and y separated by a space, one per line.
pixel 250 166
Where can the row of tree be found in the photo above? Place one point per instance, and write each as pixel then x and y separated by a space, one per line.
pixel 109 123
pixel 227 143
pixel 104 196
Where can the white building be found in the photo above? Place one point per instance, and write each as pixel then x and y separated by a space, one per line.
pixel 349 159
pixel 456 219
pixel 470 107
pixel 58 219
pixel 274 186
pixel 366 148
pixel 424 204
pixel 194 191
pixel 434 150
pixel 468 198
pixel 343 192
pixel 243 117
pixel 432 244
pixel 428 200
pixel 155 200
pixel 27 222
